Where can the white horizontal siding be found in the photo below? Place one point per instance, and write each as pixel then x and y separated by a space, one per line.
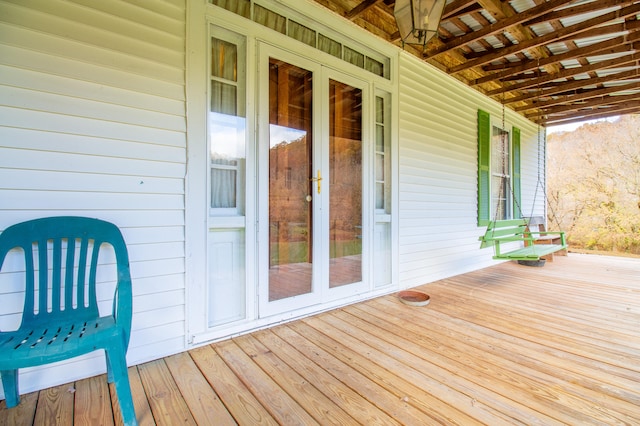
pixel 63 104
pixel 84 66
pixel 97 31
pixel 438 173
pixel 60 123
pixel 92 123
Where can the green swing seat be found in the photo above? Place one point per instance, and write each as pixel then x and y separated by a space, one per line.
pixel 509 231
pixel 60 318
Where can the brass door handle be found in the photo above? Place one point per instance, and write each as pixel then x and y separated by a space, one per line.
pixel 317 179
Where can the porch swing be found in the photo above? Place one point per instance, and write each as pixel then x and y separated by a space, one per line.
pixel 517 230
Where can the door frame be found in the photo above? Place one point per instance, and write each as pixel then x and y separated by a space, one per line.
pixel 202 16
pixel 320 291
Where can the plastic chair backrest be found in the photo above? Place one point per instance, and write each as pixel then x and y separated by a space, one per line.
pixel 61 266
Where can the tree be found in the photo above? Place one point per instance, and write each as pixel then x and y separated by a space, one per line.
pixel 594 184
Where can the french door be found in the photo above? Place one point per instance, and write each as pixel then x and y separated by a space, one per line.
pixel 312 197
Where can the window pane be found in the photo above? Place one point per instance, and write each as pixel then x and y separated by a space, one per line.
pixel 379 138
pixel 227 158
pixel 499 191
pixel 500 175
pixel 500 152
pixel 269 19
pixel 240 7
pixel 379 167
pixel 329 46
pixel 302 33
pixel 223 98
pixel 379 110
pixel 224 60
pixel 223 187
pixel 226 128
pixel 353 57
pixel 374 66
pixel 379 195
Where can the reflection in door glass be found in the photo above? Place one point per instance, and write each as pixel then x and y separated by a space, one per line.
pixel 290 212
pixel 345 168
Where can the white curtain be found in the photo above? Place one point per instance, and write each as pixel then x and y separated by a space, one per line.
pixel 223 184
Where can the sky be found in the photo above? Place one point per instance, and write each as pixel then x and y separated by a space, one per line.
pixel 573 126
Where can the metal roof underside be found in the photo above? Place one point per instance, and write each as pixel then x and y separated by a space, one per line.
pixel 555 61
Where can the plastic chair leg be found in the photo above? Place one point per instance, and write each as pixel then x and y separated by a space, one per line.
pixel 10 386
pixel 109 369
pixel 117 365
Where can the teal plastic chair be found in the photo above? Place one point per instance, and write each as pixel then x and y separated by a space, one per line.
pixel 60 318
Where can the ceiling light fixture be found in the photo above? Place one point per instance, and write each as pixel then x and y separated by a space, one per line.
pixel 418 20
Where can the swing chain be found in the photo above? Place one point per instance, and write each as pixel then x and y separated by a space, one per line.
pixel 542 165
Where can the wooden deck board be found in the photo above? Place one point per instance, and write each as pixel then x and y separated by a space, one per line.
pixel 55 406
pixel 438 362
pixel 408 379
pixel 505 345
pixel 314 402
pixel 360 409
pixel 524 352
pixel 202 400
pixel 140 401
pixel 280 404
pixel 92 405
pixel 243 406
pixel 341 363
pixel 23 414
pixel 167 403
pixel 542 391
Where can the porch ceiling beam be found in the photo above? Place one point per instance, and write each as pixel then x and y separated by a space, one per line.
pixel 474 8
pixel 584 61
pixel 570 32
pixel 612 30
pixel 603 48
pixel 588 94
pixel 579 10
pixel 498 27
pixel 360 9
pixel 458 6
pixel 627 60
pixel 573 86
pixel 630 108
pixel 503 10
pixel 604 101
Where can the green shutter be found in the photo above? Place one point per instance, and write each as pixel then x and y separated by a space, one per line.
pixel 517 195
pixel 484 167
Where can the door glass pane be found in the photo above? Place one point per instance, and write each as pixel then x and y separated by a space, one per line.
pixel 345 171
pixel 290 170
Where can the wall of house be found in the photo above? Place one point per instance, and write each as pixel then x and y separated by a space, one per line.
pixel 438 173
pixel 92 123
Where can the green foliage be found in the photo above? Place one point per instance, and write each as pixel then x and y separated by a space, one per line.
pixel 594 185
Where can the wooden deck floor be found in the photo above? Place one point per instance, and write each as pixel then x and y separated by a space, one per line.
pixel 506 345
